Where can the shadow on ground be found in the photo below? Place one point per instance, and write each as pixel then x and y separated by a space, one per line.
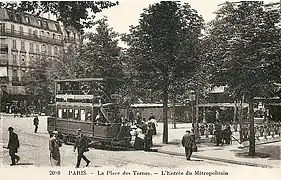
pixel 269 152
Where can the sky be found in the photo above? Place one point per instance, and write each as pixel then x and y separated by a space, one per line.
pixel 128 11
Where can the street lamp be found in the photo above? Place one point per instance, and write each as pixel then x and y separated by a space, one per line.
pixel 192 98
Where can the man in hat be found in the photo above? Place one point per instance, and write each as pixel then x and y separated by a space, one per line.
pixel 54 145
pixel 36 123
pixel 187 143
pixel 13 146
pixel 82 146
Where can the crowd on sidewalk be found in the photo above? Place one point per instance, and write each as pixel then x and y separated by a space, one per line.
pixel 143 132
pixel 261 130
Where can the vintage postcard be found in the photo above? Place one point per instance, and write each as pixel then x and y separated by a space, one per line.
pixel 135 89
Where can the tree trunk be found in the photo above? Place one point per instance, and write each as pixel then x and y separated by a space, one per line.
pixel 196 128
pixel 241 119
pixel 234 112
pixel 174 112
pixel 165 115
pixel 252 132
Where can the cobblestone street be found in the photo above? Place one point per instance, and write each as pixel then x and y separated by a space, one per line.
pixel 34 151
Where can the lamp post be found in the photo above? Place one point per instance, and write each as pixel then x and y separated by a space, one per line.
pixel 192 98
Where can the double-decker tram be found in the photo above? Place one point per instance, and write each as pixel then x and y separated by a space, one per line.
pixel 84 104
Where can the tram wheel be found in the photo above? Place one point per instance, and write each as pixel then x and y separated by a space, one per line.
pixel 67 140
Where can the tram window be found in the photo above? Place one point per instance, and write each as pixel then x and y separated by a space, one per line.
pixel 60 113
pixel 76 114
pixel 83 115
pixel 88 116
pixel 70 113
pixel 64 113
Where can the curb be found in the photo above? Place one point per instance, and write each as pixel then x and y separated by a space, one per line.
pixel 266 142
pixel 216 159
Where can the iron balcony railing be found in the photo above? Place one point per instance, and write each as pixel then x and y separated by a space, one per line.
pixel 29 36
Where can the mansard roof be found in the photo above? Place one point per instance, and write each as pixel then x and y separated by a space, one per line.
pixel 29 20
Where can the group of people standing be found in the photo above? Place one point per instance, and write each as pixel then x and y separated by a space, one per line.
pixel 262 130
pixel 144 132
pixel 222 134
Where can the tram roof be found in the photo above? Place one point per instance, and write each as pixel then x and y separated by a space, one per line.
pixel 79 79
pixel 86 79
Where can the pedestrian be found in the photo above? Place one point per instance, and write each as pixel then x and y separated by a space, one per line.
pixel 261 130
pixel 139 140
pixel 154 124
pixel 202 129
pixel 82 146
pixel 235 127
pixel 143 126
pixel 13 146
pixel 151 116
pixel 138 115
pixel 187 143
pixel 227 135
pixel 218 134
pixel 36 123
pixel 211 129
pixel 54 145
pixel 148 143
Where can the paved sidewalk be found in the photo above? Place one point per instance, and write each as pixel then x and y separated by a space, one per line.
pixel 226 153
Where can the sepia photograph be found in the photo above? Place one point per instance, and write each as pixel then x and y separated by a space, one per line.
pixel 140 89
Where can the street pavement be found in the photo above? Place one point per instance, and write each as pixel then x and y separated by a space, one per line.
pixel 34 151
pixel 226 153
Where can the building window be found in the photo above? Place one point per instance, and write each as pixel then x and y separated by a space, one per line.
pixel 15 59
pixel 39 23
pixel 18 17
pixel 22 72
pixel 35 33
pixel 31 47
pixel 2 27
pixel 21 31
pixel 37 48
pixel 27 19
pixel 15 44
pixel 12 29
pixel 22 45
pixel 48 34
pixel 43 48
pixel 55 50
pixel 29 32
pixel 42 33
pixel 50 50
pixel 54 36
pixel 15 75
pixel 23 59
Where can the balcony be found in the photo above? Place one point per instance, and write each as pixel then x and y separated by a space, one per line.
pixel 33 37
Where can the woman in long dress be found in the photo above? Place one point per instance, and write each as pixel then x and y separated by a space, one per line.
pixel 139 140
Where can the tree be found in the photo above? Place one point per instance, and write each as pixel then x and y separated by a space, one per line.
pixel 244 51
pixel 38 80
pixel 163 48
pixel 78 14
pixel 102 56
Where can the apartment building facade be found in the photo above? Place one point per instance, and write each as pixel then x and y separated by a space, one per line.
pixel 25 38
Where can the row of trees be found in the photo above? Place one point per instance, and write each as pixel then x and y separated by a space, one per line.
pixel 172 51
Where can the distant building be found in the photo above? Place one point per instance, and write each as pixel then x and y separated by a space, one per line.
pixel 26 38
